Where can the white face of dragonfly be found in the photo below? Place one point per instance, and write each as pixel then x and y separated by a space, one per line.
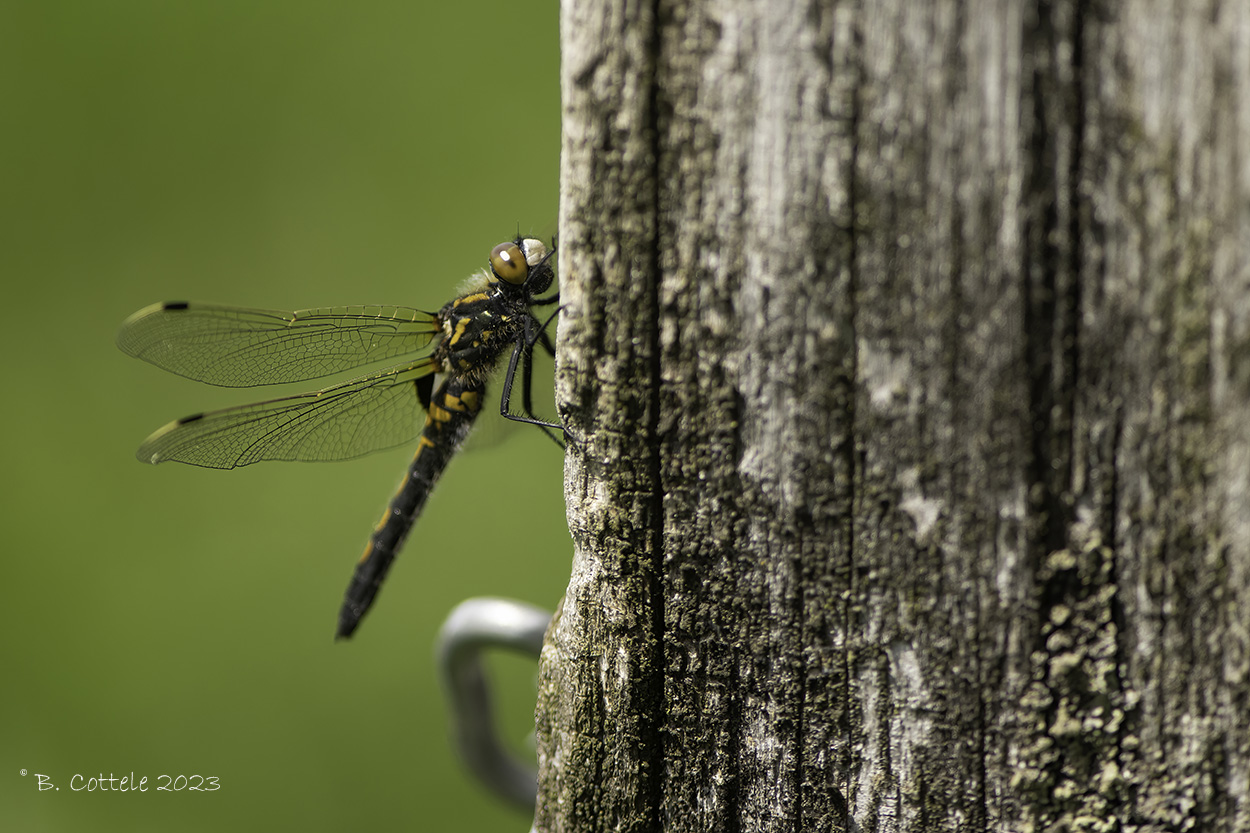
pixel 535 251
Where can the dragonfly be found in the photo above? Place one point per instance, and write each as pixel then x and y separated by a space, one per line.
pixel 240 347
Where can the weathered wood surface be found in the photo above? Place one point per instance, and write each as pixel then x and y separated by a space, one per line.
pixel 907 347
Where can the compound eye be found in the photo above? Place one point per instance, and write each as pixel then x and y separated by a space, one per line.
pixel 507 261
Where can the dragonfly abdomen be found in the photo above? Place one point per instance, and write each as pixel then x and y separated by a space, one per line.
pixel 452 409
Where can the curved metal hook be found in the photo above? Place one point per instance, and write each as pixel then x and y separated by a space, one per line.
pixel 473 626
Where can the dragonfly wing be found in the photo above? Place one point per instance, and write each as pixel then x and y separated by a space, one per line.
pixel 239 347
pixel 338 423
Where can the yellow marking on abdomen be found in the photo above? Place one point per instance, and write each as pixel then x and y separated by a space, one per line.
pixel 466 403
pixel 386 513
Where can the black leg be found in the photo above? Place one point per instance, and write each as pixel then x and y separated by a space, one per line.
pixel 505 398
pixel 527 370
pixel 547 345
pixel 542 337
pixel 527 382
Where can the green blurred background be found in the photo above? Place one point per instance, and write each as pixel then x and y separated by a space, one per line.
pixel 173 620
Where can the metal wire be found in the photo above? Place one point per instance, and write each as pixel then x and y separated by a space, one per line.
pixel 472 627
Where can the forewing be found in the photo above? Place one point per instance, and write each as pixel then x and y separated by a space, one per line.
pixel 338 423
pixel 239 347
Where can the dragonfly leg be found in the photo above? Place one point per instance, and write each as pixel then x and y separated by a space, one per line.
pixel 541 336
pixel 506 397
pixel 527 381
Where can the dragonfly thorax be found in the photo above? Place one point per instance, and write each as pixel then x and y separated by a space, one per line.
pixel 477 329
pixel 480 325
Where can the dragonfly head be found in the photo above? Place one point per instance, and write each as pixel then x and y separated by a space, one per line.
pixel 523 262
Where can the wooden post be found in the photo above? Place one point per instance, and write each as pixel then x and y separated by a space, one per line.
pixel 907 351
